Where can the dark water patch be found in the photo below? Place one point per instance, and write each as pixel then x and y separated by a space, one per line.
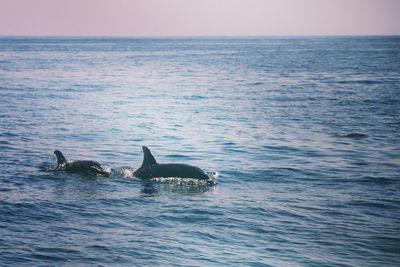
pixel 377 180
pixel 5 189
pixel 7 147
pixel 200 211
pixel 228 143
pixel 256 83
pixel 353 135
pixel 387 244
pixel 48 258
pixel 26 139
pixel 120 102
pixel 173 137
pixel 16 258
pixel 360 163
pixel 57 96
pixel 234 150
pixel 186 219
pixel 286 149
pixel 8 134
pixel 98 247
pixel 371 205
pixel 272 175
pixel 4 143
pixel 360 81
pixel 195 97
pixel 57 250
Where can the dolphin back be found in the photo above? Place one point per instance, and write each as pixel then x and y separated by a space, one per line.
pixel 79 166
pixel 86 166
pixel 151 169
pixel 171 170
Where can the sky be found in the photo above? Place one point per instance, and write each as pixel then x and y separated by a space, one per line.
pixel 199 17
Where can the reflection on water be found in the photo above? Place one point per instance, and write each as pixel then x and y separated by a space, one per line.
pixel 154 187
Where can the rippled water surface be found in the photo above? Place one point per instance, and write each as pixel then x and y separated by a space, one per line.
pixel 304 133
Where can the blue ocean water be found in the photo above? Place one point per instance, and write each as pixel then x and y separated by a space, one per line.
pixel 304 133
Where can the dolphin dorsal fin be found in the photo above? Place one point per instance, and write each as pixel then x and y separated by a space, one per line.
pixel 148 158
pixel 61 160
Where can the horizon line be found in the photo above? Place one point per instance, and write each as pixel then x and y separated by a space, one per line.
pixel 201 36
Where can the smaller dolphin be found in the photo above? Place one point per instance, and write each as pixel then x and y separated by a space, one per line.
pixel 151 169
pixel 79 166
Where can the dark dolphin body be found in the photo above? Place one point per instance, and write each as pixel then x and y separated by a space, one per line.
pixel 79 166
pixel 151 169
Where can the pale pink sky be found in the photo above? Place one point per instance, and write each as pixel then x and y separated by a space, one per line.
pixel 199 17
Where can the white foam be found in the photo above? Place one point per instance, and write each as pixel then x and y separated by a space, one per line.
pixel 126 173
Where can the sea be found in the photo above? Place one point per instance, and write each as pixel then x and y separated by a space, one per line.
pixel 302 133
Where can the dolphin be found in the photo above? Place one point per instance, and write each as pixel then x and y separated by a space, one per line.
pixel 151 169
pixel 79 166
